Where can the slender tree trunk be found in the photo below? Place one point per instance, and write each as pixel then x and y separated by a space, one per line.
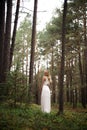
pixel 14 32
pixel 81 71
pixel 82 82
pixel 33 41
pixel 75 98
pixel 2 25
pixel 67 86
pixel 53 79
pixel 6 60
pixel 85 56
pixel 71 88
pixel 27 66
pixel 61 77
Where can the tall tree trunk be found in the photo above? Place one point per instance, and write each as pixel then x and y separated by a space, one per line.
pixel 61 76
pixel 53 79
pixel 7 40
pixel 27 66
pixel 2 25
pixel 82 82
pixel 33 41
pixel 71 84
pixel 67 86
pixel 85 54
pixel 14 32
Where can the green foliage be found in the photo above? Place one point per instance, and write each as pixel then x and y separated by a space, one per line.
pixel 3 91
pixel 16 87
pixel 31 117
pixel 23 40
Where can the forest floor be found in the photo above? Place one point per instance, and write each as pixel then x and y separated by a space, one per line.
pixel 30 117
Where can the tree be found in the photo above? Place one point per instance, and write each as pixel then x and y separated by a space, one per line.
pixel 6 60
pixel 22 46
pixel 14 32
pixel 19 74
pixel 85 51
pixel 33 42
pixel 61 76
pixel 2 26
pixel 79 7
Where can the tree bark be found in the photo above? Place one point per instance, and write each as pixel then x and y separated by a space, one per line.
pixel 6 60
pixel 85 56
pixel 61 77
pixel 2 26
pixel 14 32
pixel 33 42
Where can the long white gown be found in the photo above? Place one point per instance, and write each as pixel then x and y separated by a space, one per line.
pixel 46 97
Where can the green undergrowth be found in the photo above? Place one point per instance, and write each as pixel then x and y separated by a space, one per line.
pixel 31 118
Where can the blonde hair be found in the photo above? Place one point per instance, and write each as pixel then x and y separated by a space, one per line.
pixel 46 73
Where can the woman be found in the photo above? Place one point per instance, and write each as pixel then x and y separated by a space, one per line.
pixel 45 94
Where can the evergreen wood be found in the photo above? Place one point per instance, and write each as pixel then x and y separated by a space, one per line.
pixel 69 75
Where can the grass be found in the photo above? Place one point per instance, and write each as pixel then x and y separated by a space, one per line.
pixel 31 118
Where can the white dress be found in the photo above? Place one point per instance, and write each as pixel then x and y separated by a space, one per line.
pixel 46 97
